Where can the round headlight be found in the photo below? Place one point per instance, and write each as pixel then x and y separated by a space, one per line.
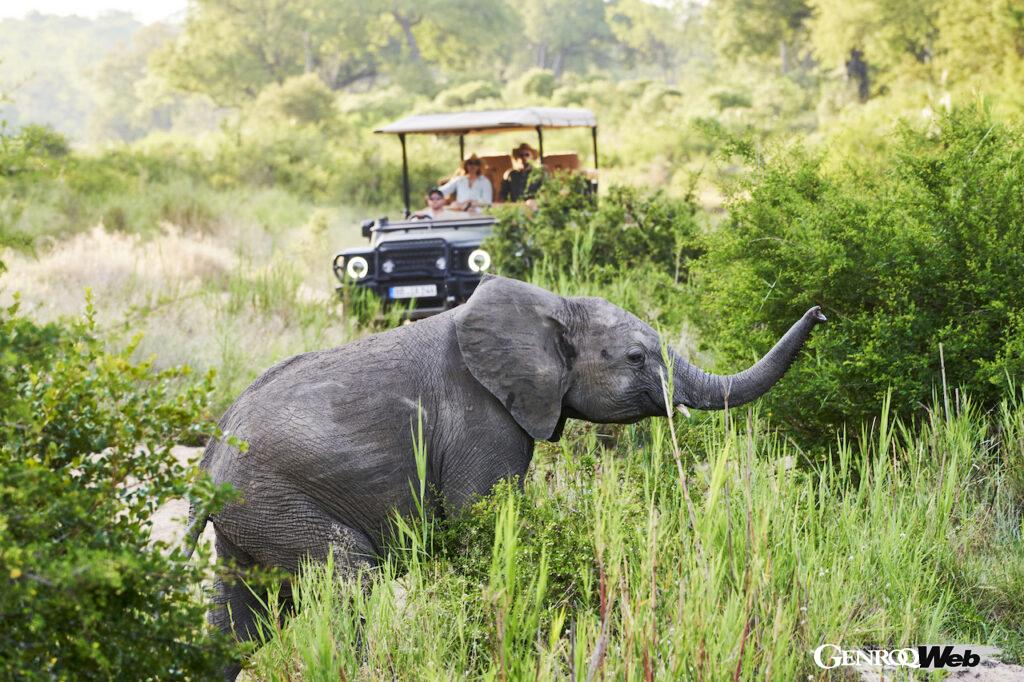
pixel 441 263
pixel 388 266
pixel 357 267
pixel 479 260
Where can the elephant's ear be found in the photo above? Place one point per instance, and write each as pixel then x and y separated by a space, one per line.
pixel 512 338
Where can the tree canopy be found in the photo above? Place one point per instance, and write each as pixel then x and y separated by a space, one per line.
pixel 112 78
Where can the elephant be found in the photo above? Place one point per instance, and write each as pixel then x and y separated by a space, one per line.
pixel 331 433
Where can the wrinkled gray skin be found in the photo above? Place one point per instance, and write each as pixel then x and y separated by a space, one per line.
pixel 330 433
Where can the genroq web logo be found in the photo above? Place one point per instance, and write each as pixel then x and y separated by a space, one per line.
pixel 830 656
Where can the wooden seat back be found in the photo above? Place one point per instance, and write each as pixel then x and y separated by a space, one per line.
pixel 494 167
pixel 562 161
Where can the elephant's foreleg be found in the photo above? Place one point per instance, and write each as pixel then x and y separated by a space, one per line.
pixel 237 605
pixel 280 541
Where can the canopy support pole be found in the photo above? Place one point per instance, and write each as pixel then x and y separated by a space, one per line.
pixel 405 175
pixel 462 148
pixel 540 144
pixel 593 134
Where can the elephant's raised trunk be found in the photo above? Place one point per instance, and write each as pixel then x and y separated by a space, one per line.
pixel 693 387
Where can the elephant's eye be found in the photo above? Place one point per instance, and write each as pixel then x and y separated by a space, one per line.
pixel 635 356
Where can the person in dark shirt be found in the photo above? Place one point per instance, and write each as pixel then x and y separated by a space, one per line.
pixel 516 184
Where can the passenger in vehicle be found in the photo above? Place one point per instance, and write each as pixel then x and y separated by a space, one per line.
pixel 472 190
pixel 436 208
pixel 516 184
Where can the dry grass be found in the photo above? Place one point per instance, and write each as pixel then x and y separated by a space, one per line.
pixel 237 299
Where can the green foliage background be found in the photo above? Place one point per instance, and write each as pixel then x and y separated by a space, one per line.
pixel 919 254
pixel 756 159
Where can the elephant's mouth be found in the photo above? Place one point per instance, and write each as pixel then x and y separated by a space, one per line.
pixel 655 402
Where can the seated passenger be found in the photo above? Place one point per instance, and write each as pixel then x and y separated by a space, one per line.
pixel 516 184
pixel 436 208
pixel 472 190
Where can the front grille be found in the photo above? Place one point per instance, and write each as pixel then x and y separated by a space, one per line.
pixel 412 260
pixel 460 259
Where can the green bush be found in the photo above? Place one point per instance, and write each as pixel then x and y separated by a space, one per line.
pixel 571 232
pixel 22 344
pixel 85 461
pixel 922 252
pixel 547 527
pixel 313 163
pixel 34 148
pixel 300 100
pixel 468 93
pixel 535 83
pixel 730 99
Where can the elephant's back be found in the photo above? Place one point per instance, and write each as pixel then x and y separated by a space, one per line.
pixel 336 423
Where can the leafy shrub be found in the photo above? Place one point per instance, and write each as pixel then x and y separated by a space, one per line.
pixel 546 526
pixel 364 110
pixel 659 97
pixel 85 461
pixel 627 227
pixel 310 162
pixel 730 99
pixel 302 100
pixel 467 93
pixel 189 212
pixel 535 83
pixel 22 344
pixel 34 148
pixel 924 252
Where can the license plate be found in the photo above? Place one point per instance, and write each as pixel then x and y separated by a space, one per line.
pixel 414 291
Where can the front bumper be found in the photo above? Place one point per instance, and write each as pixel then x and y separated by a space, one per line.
pixel 414 263
pixel 452 290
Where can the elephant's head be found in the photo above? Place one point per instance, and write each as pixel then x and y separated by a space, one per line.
pixel 546 357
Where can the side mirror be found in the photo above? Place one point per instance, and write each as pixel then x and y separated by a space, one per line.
pixel 367 228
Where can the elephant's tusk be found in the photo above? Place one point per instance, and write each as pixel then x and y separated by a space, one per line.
pixel 682 408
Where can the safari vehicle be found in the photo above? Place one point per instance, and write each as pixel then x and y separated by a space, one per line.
pixel 434 264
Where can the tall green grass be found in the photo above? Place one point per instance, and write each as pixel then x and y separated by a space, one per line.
pixel 698 550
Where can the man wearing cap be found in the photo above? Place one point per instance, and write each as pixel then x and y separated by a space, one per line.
pixel 516 184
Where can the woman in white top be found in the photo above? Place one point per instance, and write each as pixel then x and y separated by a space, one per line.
pixel 472 190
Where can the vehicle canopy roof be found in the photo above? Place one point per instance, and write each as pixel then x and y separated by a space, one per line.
pixel 464 122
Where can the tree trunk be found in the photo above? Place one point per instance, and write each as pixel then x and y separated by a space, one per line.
pixel 857 71
pixel 309 64
pixel 558 64
pixel 410 39
pixel 784 56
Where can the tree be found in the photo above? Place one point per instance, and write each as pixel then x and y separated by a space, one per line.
pixel 301 100
pixel 122 111
pixel 759 28
pixel 465 35
pixel 883 35
pixel 45 64
pixel 650 34
pixel 232 49
pixel 564 32
pixel 981 40
pixel 459 36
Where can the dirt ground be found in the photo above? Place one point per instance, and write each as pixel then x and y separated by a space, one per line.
pixel 170 520
pixel 990 670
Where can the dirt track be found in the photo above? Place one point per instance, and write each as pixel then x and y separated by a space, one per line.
pixel 170 520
